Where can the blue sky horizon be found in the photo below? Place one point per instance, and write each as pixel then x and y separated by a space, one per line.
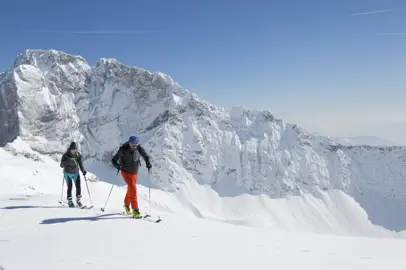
pixel 334 68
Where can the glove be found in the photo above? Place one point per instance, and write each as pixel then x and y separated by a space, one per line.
pixel 84 173
pixel 149 166
pixel 118 167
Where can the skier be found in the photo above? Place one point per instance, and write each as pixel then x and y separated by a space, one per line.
pixel 71 162
pixel 127 160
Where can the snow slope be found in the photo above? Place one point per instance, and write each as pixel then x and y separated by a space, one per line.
pixel 364 140
pixel 27 173
pixel 196 146
pixel 36 232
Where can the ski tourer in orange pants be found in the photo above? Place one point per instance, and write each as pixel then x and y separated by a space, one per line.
pixel 127 159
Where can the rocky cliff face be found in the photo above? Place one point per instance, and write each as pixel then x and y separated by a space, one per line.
pixel 39 96
pixel 50 98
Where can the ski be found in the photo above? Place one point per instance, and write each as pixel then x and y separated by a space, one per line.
pixel 149 217
pixel 82 207
pixel 146 217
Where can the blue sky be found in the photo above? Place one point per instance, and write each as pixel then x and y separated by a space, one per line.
pixel 334 67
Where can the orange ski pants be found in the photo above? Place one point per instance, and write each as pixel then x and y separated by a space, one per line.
pixel 131 196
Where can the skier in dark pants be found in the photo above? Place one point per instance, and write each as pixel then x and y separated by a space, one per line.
pixel 128 159
pixel 71 162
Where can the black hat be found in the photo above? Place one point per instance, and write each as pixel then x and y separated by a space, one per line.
pixel 73 146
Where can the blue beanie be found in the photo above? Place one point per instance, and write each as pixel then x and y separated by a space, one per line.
pixel 133 140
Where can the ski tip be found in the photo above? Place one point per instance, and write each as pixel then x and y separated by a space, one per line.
pixel 149 218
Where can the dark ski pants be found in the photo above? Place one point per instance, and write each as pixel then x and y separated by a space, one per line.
pixel 69 178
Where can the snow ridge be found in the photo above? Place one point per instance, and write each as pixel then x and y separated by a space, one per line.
pixel 234 151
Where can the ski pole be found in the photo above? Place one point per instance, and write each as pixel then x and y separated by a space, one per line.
pixel 149 197
pixel 109 194
pixel 107 198
pixel 149 191
pixel 63 180
pixel 88 191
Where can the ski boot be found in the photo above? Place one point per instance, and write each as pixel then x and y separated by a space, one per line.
pixel 127 209
pixel 136 213
pixel 70 203
pixel 78 202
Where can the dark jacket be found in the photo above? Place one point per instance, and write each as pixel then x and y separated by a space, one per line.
pixel 71 163
pixel 128 159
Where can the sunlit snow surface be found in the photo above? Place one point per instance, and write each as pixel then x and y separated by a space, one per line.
pixel 36 232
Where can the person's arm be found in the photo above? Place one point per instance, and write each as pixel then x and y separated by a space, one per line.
pixel 80 161
pixel 63 161
pixel 117 157
pixel 145 156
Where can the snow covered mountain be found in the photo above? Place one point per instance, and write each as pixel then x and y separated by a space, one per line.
pixel 50 98
pixel 364 140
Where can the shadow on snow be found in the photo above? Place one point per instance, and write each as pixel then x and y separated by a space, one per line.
pixel 68 219
pixel 96 218
pixel 29 207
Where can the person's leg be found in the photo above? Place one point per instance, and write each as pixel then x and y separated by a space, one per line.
pixel 134 199
pixel 131 197
pixel 69 192
pixel 78 190
pixel 128 195
pixel 69 184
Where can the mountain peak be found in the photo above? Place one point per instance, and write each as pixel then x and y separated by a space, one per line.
pixel 38 57
pixel 108 61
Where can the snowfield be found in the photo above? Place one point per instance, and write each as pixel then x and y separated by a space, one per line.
pixel 303 232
